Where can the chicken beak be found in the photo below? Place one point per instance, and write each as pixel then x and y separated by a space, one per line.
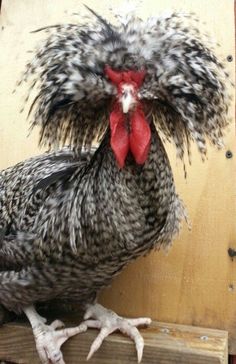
pixel 127 101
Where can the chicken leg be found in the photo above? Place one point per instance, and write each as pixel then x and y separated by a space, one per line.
pixel 108 321
pixel 47 338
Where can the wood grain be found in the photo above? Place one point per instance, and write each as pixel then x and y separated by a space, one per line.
pixel 196 283
pixel 164 343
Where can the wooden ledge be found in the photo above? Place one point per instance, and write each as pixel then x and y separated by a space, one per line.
pixel 164 344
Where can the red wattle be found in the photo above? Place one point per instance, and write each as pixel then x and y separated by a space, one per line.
pixel 138 141
pixel 119 136
pixel 140 136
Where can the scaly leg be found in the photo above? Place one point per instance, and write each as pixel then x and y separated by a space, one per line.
pixel 108 321
pixel 47 338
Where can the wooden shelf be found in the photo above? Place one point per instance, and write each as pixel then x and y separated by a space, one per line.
pixel 164 344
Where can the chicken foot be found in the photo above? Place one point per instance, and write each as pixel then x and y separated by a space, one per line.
pixel 107 321
pixel 48 338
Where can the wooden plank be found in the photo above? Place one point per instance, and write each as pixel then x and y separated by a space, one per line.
pixel 195 284
pixel 164 343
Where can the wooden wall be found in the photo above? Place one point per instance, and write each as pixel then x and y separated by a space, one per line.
pixel 196 282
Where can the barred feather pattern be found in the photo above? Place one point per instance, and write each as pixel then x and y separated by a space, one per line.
pixel 71 220
pixel 66 236
pixel 185 85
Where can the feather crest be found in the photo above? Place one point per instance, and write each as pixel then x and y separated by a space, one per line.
pixel 184 87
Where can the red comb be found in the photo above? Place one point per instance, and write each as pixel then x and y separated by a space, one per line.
pixel 125 76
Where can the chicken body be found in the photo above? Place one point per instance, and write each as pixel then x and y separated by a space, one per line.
pixel 69 224
pixel 112 216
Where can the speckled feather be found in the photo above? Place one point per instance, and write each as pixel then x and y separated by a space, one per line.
pixel 184 89
pixel 72 220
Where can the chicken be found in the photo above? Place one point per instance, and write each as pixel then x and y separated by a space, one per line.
pixel 73 218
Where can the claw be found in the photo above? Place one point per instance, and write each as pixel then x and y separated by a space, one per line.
pixel 108 321
pixel 135 335
pixel 98 341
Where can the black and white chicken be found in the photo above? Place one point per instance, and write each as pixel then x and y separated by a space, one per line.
pixel 73 218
